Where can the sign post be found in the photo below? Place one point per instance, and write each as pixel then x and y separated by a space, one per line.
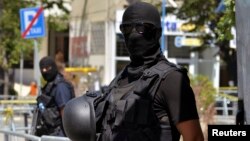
pixel 33 26
pixel 243 65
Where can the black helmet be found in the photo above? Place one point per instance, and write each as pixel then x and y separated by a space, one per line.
pixel 79 120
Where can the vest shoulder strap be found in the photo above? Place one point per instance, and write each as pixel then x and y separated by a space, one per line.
pixel 152 77
pixel 164 67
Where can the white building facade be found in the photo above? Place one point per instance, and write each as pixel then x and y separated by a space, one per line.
pixel 95 40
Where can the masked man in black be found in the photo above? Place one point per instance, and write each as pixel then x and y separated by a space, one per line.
pixel 151 98
pixel 55 94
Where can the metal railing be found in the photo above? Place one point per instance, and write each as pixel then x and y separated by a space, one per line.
pixel 226 102
pixel 29 137
pixel 20 109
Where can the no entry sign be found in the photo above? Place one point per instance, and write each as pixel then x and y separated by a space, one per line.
pixel 32 22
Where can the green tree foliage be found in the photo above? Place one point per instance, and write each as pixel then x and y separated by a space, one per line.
pixel 203 13
pixel 215 27
pixel 226 21
pixel 57 22
pixel 11 42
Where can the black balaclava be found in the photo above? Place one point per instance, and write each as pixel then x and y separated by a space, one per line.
pixel 47 62
pixel 143 50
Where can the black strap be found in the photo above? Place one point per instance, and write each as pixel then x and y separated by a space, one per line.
pixel 152 77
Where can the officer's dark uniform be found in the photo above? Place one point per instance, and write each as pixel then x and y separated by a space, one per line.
pixel 147 109
pixel 149 96
pixel 55 94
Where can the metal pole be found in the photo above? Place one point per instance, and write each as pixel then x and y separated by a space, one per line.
pixel 163 25
pixel 21 71
pixel 243 65
pixel 17 134
pixel 36 66
pixel 54 138
pixel 25 115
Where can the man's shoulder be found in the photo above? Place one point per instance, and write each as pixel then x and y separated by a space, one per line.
pixel 60 80
pixel 66 85
pixel 165 67
pixel 62 83
pixel 167 64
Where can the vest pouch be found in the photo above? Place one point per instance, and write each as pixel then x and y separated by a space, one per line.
pixel 120 112
pixel 150 135
pixel 100 111
pixel 44 99
pixel 130 111
pixel 41 130
pixel 51 116
pixel 40 127
pixel 100 108
pixel 142 108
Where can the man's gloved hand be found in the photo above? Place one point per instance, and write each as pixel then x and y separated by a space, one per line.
pixel 240 116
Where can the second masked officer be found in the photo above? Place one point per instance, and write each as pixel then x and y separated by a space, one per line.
pixel 51 102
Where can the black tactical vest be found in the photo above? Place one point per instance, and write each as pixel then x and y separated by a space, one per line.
pixel 127 113
pixel 50 121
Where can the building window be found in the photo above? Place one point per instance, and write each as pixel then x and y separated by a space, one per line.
pixel 97 38
pixel 177 52
pixel 120 46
